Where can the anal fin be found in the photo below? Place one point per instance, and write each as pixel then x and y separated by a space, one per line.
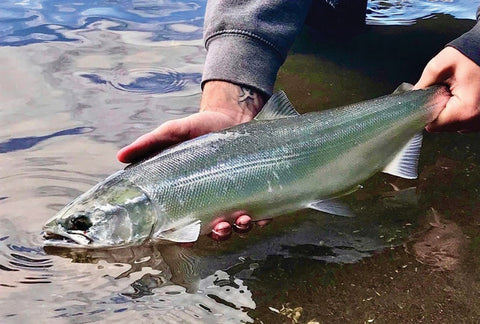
pixel 405 163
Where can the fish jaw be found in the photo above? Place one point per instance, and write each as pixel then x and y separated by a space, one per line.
pixel 64 239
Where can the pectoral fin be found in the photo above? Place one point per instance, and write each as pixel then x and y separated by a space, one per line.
pixel 405 163
pixel 331 206
pixel 181 234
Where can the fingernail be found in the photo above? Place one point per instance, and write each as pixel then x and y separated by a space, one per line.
pixel 221 231
pixel 242 224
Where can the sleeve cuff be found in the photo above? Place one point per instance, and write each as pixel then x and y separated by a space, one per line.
pixel 240 59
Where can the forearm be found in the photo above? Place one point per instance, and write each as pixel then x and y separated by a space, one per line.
pixel 248 41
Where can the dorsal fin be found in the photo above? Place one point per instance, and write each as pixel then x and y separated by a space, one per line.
pixel 278 106
pixel 405 163
pixel 403 87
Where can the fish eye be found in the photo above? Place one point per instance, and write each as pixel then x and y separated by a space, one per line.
pixel 80 222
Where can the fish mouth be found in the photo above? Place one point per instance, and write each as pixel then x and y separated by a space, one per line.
pixel 70 239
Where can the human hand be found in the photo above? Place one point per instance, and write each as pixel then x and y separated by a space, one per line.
pixel 462 76
pixel 223 105
pixel 173 132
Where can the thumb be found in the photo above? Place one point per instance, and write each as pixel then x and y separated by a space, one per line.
pixel 430 76
pixel 439 69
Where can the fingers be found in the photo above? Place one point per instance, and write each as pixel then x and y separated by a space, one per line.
pixel 173 132
pixel 165 135
pixel 242 224
pixel 457 116
pixel 462 76
pixel 223 230
pixel 449 118
pixel 140 148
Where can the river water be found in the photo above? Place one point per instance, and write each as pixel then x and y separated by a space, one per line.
pixel 80 79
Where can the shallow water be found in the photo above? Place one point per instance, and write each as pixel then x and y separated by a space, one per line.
pixel 81 79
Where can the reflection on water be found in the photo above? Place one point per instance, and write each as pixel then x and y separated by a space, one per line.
pixel 207 282
pixel 105 72
pixel 15 144
pixel 38 21
pixel 143 283
pixel 407 12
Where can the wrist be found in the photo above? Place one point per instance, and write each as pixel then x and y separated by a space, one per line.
pixel 238 102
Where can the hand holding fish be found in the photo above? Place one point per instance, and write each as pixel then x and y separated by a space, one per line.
pixel 223 105
pixel 173 132
pixel 462 76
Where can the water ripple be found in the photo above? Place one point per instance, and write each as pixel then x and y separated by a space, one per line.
pixel 29 262
pixel 35 21
pixel 164 81
pixel 158 81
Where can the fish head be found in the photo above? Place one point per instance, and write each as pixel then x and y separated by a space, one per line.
pixel 114 213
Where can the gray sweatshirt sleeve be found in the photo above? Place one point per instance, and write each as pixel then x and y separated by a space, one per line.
pixel 248 41
pixel 469 43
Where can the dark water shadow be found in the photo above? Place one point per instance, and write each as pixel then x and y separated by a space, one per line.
pixel 324 71
pixel 23 143
pixel 393 53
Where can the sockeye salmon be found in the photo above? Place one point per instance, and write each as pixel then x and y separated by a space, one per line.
pixel 279 162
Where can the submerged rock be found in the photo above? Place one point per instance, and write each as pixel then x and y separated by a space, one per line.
pixel 442 245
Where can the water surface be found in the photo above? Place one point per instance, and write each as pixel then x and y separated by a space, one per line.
pixel 81 79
